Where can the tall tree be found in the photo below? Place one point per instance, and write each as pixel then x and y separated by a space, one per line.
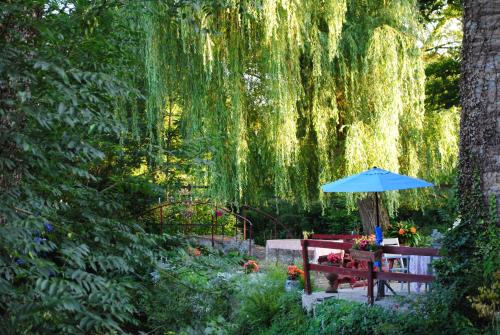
pixel 480 96
pixel 293 94
pixel 476 234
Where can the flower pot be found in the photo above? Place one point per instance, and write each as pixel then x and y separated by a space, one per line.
pixel 363 255
pixel 333 281
pixel 291 285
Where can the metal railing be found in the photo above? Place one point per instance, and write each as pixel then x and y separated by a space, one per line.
pixel 276 222
pixel 214 222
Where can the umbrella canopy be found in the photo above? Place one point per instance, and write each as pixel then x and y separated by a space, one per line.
pixel 374 180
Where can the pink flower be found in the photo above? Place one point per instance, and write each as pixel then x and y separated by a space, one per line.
pixel 363 244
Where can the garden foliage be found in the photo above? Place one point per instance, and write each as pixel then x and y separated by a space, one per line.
pixel 286 96
pixel 84 90
pixel 72 259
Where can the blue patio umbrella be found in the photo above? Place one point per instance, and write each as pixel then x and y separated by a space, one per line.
pixel 375 180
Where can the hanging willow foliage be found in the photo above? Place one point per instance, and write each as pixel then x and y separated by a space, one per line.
pixel 291 93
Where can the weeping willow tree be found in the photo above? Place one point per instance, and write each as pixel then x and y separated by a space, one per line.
pixel 290 94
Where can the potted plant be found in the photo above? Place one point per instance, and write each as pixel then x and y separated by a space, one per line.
pixel 332 259
pixel 307 234
pixel 365 249
pixel 251 266
pixel 292 282
pixel 406 232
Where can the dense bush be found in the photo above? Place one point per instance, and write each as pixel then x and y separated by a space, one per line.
pixel 191 293
pixel 341 317
pixel 72 258
pixel 260 301
pixel 344 317
pixel 471 257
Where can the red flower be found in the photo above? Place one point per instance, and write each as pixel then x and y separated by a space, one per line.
pixel 194 252
pixel 333 258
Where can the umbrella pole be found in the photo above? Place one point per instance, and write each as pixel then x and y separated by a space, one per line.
pixel 381 283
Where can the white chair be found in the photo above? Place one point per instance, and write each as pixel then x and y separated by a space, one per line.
pixel 402 267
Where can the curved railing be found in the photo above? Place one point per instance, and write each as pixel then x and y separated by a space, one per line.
pixel 247 224
pixel 274 219
pixel 172 203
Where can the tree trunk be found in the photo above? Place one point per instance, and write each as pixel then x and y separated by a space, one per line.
pixel 480 97
pixel 368 214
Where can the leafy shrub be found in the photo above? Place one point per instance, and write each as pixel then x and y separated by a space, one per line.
pixel 192 294
pixel 437 314
pixel 487 302
pixel 343 317
pixel 335 217
pixel 260 301
pixel 340 317
pixel 72 258
pixel 290 318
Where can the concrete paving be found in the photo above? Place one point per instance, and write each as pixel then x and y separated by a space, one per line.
pixel 360 295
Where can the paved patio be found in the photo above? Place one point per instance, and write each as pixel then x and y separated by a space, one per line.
pixel 358 294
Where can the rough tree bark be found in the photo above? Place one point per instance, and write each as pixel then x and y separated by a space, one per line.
pixel 367 212
pixel 480 98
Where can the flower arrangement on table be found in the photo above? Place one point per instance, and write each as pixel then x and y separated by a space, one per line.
pixel 251 266
pixel 406 232
pixel 365 243
pixel 333 259
pixel 294 272
pixel 366 249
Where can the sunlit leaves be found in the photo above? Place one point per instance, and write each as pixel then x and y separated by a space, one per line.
pixel 279 89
